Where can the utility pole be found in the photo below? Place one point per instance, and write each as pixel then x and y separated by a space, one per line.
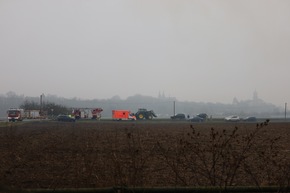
pixel 173 108
pixel 285 110
pixel 41 103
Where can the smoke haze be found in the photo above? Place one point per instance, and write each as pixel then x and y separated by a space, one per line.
pixel 209 51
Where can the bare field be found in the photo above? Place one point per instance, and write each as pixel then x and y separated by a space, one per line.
pixel 149 154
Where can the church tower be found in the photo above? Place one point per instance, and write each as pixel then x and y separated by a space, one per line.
pixel 255 96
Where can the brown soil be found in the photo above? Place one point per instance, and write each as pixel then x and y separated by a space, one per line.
pixel 106 154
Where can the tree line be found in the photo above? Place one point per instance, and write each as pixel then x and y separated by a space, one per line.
pixel 163 106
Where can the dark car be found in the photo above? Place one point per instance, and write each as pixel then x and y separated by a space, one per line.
pixel 179 116
pixel 250 119
pixel 202 115
pixel 196 119
pixel 65 118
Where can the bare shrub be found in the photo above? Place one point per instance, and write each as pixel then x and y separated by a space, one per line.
pixel 225 158
pixel 128 157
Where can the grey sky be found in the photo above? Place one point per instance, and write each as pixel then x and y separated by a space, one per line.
pixel 203 51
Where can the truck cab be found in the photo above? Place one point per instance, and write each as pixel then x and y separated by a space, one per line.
pixel 15 115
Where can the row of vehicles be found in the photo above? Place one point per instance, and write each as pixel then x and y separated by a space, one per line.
pixel 235 118
pixel 118 115
pixel 141 114
pixel 15 114
pixel 203 117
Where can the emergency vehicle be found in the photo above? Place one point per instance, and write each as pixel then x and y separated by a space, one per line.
pixel 15 114
pixel 123 115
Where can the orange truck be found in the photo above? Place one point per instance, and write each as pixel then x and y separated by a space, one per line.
pixel 123 115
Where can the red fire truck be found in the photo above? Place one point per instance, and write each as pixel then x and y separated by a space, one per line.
pixel 96 113
pixel 86 113
pixel 15 114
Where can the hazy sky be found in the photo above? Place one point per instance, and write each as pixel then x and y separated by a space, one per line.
pixel 195 50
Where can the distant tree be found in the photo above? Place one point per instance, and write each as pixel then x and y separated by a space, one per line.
pixel 116 97
pixel 54 109
pixel 49 108
pixel 30 105
pixel 11 94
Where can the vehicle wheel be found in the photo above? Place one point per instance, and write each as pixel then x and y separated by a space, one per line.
pixel 140 116
pixel 150 117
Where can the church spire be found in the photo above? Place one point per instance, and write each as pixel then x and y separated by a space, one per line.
pixel 255 96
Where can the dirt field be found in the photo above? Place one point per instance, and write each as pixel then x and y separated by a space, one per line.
pixel 148 154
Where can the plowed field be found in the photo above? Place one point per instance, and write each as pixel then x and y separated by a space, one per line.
pixel 105 154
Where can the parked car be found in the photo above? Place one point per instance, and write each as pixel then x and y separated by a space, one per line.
pixel 179 116
pixel 250 119
pixel 202 115
pixel 232 118
pixel 65 118
pixel 196 119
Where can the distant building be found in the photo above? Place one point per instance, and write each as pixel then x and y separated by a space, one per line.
pixel 255 96
pixel 235 101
